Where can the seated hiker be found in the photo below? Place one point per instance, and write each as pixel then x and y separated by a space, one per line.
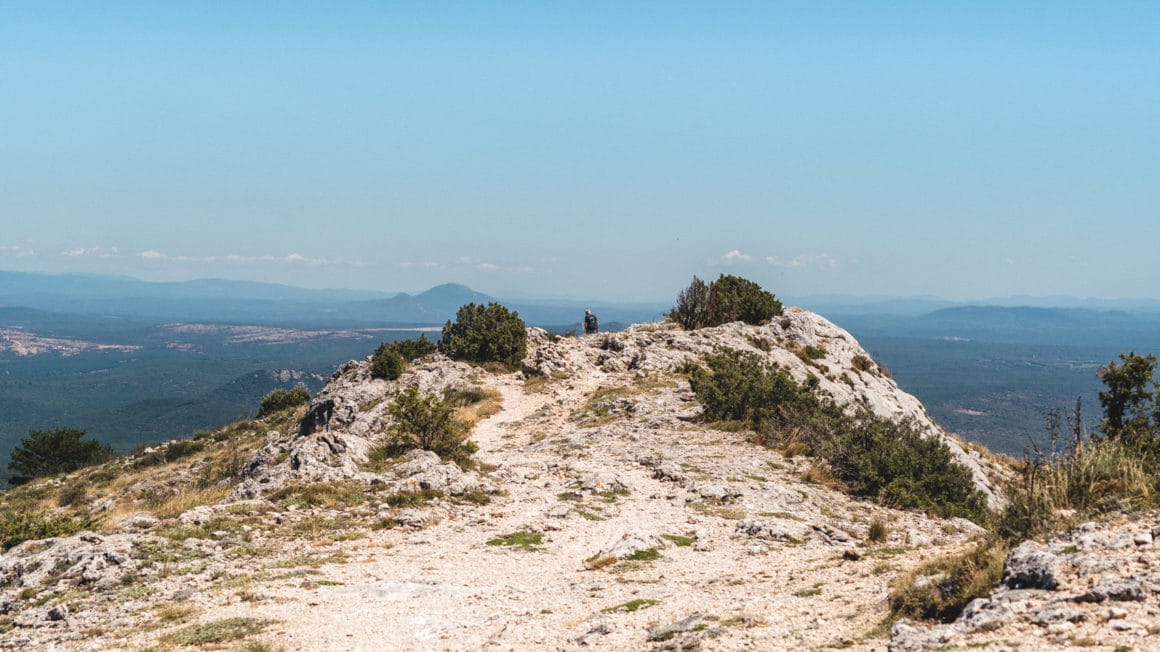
pixel 591 324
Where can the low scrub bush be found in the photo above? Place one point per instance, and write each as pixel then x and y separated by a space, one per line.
pixel 429 422
pixel 872 456
pixel 283 399
pixel 387 363
pixel 728 299
pixel 390 360
pixel 16 527
pixel 490 333
pixel 413 349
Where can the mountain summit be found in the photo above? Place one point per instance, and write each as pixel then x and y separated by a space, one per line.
pixel 600 511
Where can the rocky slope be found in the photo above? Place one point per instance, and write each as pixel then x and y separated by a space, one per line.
pixel 603 515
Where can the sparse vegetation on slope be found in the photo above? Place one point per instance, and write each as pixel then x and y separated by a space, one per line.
pixel 887 460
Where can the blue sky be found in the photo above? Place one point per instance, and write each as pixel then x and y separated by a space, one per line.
pixel 588 150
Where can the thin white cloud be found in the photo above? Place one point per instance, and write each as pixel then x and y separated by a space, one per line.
pixel 487 267
pixel 427 264
pixel 735 256
pixel 294 258
pixel 99 252
pixel 16 251
pixel 1009 261
pixel 822 260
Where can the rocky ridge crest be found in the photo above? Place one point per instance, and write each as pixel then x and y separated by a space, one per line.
pixel 603 515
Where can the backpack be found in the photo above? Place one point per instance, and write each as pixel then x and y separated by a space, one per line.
pixel 591 324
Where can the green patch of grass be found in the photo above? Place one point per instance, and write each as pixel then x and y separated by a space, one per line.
pixel 597 561
pixel 809 593
pixel 314 561
pixel 1070 550
pixel 317 527
pixel 218 631
pixel 248 551
pixel 412 498
pixel 886 552
pixel 631 606
pixel 524 540
pixel 786 516
pixel 679 540
pixel 473 497
pixel 323 494
pixel 589 516
pixel 648 554
pixel 170 614
pixel 727 513
pixel 877 532
pixel 570 496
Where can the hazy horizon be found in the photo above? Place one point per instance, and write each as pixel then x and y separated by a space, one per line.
pixel 604 150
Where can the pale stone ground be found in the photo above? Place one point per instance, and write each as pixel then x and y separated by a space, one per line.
pixel 444 588
pixel 606 454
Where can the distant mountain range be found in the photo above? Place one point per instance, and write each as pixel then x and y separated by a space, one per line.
pixel 267 303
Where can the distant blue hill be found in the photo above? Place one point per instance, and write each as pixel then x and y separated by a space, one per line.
pixel 247 302
pixel 1017 325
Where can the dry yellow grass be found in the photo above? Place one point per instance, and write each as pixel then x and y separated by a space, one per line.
pixel 491 404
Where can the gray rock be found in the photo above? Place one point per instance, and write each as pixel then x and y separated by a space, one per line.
pixel 1117 589
pixel 593 635
pixel 1031 565
pixel 761 529
pixel 59 612
pixel 1142 539
pixel 1058 613
pixel 671 472
pixel 631 543
pixel 143 522
pixel 718 492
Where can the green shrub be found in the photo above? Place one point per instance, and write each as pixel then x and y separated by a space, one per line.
pixel 732 298
pixel 1131 413
pixel 413 349
pixel 387 363
pixel 490 333
pixel 743 386
pixel 428 422
pixel 49 452
pixel 728 299
pixel 862 363
pixel 283 399
pixel 889 461
pixel 692 310
pixel 894 463
pixel 16 527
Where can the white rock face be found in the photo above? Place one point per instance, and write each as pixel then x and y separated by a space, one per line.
pixel 345 421
pixel 845 373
